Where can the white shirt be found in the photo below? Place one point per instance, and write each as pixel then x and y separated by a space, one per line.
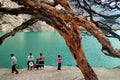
pixel 13 60
pixel 30 58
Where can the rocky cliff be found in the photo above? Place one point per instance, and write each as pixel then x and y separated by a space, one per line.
pixel 9 22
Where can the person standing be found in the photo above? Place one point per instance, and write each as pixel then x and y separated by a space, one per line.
pixel 13 63
pixel 41 60
pixel 37 64
pixel 30 62
pixel 59 62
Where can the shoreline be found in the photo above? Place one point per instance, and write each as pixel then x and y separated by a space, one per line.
pixel 51 73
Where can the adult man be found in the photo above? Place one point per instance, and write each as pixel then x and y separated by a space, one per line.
pixel 30 62
pixel 13 63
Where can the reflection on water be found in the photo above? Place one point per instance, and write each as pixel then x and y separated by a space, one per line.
pixel 51 44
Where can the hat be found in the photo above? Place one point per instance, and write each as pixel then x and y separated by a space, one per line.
pixel 31 64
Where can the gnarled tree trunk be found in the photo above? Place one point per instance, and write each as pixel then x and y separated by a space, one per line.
pixel 59 19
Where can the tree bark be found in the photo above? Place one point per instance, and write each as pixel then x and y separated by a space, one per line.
pixel 73 40
pixel 21 27
pixel 59 19
pixel 83 64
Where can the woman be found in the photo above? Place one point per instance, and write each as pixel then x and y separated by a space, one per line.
pixel 41 60
pixel 59 62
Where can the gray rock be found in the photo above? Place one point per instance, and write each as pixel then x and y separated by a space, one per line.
pixel 9 22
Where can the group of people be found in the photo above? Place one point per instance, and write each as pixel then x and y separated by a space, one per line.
pixel 39 62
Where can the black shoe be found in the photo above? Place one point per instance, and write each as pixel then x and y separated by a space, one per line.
pixel 17 72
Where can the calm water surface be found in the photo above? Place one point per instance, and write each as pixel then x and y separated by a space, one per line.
pixel 51 44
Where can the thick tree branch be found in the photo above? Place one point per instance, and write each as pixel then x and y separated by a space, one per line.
pixel 81 21
pixel 28 3
pixel 73 40
pixel 21 27
pixel 58 19
pixel 89 10
pixel 90 27
pixel 107 29
pixel 17 11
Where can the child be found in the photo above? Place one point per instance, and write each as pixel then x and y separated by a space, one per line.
pixel 37 64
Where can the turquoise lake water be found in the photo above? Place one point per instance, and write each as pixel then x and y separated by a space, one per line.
pixel 51 44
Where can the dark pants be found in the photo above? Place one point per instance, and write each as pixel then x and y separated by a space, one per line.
pixel 37 66
pixel 29 66
pixel 14 69
pixel 59 66
pixel 41 63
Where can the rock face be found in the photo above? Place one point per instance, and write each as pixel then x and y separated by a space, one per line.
pixel 9 22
